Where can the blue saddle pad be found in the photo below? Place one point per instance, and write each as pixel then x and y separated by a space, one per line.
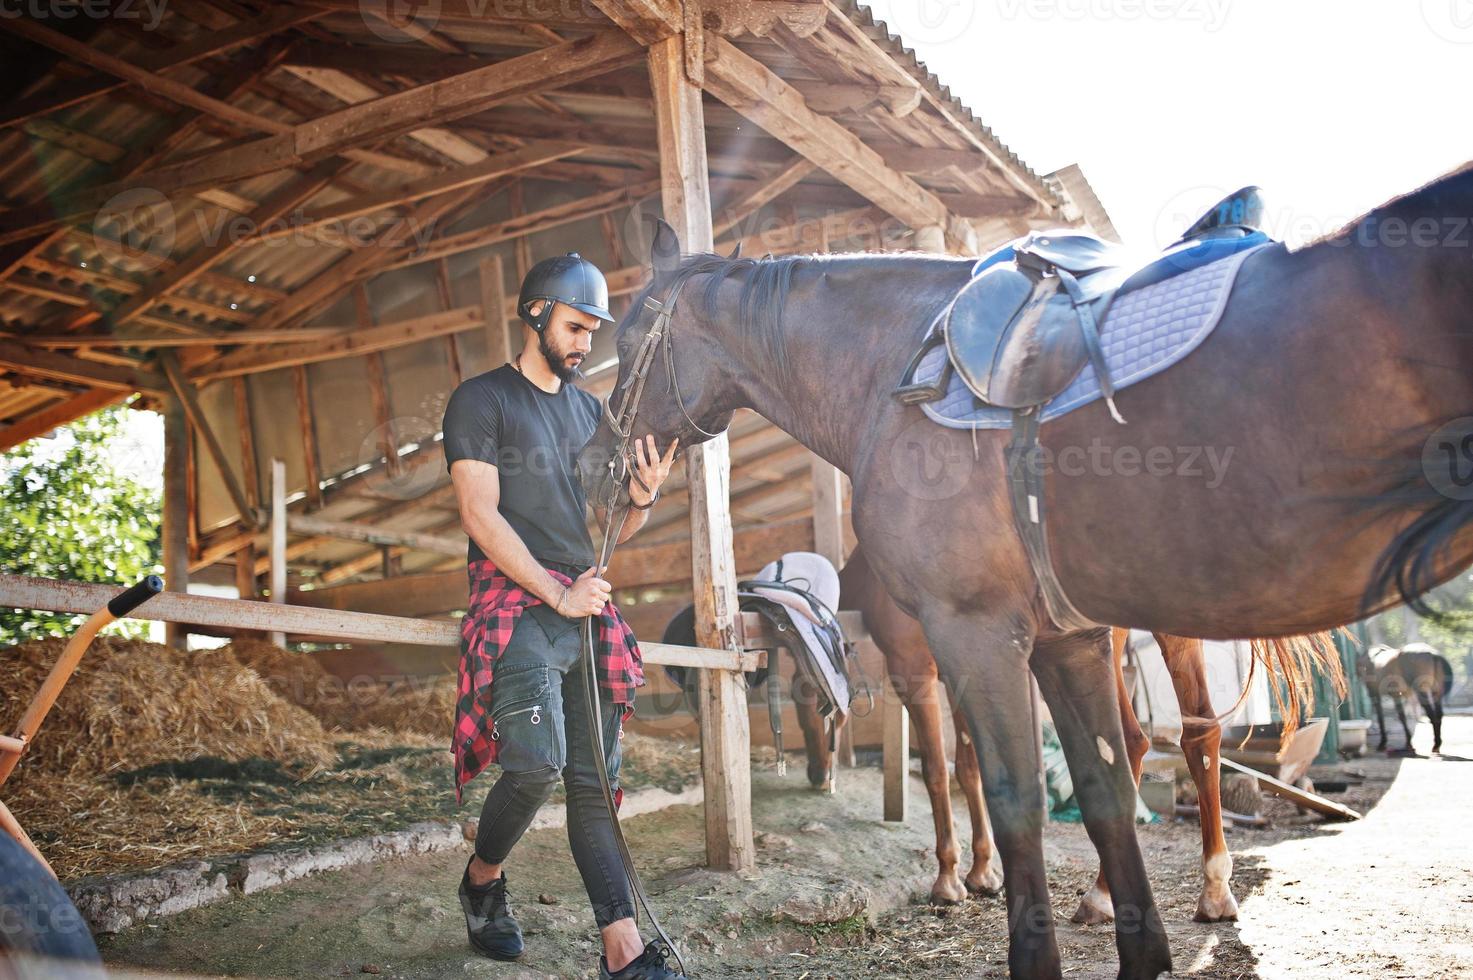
pixel 1164 316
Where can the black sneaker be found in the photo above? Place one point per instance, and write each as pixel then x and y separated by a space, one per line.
pixel 488 922
pixel 650 965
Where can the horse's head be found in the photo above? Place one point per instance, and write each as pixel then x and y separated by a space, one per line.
pixel 674 377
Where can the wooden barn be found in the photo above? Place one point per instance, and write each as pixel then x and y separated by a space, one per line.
pixel 295 227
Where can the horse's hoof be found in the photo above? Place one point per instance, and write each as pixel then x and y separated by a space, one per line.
pixel 1095 909
pixel 988 883
pixel 948 891
pixel 1221 909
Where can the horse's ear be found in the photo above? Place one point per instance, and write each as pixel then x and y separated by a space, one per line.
pixel 736 252
pixel 664 250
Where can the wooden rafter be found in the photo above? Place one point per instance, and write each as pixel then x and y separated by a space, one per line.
pixel 77 91
pixel 185 392
pixel 340 132
pixel 64 411
pixel 347 342
pixel 35 362
pixel 534 154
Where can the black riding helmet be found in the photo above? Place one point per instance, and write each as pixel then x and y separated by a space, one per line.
pixel 569 279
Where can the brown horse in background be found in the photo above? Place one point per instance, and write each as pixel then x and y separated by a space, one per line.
pixel 1417 668
pixel 913 674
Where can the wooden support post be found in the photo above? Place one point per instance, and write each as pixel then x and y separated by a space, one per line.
pixel 897 754
pixel 278 539
pixel 500 334
pixel 452 340
pixel 176 511
pixel 309 436
pixel 249 475
pixel 378 388
pixel 725 737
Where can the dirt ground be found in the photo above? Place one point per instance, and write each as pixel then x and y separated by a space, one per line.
pixel 1388 896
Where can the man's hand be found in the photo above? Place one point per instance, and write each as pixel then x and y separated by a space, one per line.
pixel 652 469
pixel 586 596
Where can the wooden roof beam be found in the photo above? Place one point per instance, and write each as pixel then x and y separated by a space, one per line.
pixel 340 132
pixel 752 89
pixel 350 342
pixel 534 154
pixel 39 363
pixel 67 410
pixel 73 92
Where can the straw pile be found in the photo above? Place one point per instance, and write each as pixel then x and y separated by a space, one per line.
pixel 401 704
pixel 132 703
pixel 153 754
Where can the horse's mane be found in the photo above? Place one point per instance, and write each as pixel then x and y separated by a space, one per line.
pixel 764 295
pixel 765 286
pixel 1424 200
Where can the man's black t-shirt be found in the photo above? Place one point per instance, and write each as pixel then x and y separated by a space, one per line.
pixel 532 438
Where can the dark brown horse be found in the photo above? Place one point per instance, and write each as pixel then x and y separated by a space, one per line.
pixel 1331 369
pixel 1414 669
pixel 914 677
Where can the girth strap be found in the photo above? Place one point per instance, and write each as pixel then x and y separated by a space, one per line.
pixel 1025 487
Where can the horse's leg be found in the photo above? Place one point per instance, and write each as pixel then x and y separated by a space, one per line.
pixel 1201 740
pixel 985 876
pixel 1401 712
pixel 922 697
pixel 1095 907
pixel 1375 694
pixel 985 662
pixel 1431 703
pixel 1074 677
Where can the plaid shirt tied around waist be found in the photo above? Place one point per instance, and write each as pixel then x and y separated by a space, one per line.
pixel 496 603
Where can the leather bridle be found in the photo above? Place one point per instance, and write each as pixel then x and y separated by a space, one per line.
pixel 621 469
pixel 657 341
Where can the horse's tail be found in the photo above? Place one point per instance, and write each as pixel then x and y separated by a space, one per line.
pixel 1293 661
pixel 1447 675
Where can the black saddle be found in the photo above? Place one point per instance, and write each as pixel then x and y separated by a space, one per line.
pixel 1021 330
pixel 1026 324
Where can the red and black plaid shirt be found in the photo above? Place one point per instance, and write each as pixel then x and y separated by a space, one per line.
pixel 496 602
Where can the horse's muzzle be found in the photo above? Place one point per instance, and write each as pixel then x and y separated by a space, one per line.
pixel 593 471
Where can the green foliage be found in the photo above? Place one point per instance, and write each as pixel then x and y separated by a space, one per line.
pixel 67 512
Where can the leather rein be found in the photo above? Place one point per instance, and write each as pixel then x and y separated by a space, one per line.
pixel 621 469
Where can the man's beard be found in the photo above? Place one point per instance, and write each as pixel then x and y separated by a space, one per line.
pixel 558 364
